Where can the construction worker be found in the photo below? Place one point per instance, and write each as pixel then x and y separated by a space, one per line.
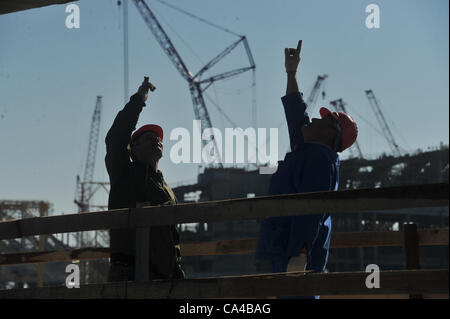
pixel 138 183
pixel 311 166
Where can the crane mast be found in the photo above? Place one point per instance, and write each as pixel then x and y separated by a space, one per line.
pixel 383 123
pixel 84 188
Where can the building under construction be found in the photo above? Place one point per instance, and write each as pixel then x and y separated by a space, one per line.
pixel 228 183
pixel 20 269
pixel 420 168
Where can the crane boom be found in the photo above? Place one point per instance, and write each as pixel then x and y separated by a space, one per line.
pixel 339 106
pixel 311 101
pixel 383 123
pixel 200 110
pixel 162 38
pixel 211 63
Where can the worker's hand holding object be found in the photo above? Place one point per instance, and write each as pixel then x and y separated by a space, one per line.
pixel 143 89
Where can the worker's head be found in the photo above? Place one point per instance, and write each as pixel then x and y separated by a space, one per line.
pixel 337 130
pixel 146 144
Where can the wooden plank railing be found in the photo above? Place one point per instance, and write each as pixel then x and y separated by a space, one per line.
pixel 346 201
pixel 427 237
pixel 413 282
pixel 253 286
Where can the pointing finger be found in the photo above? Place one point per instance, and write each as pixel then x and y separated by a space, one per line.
pixel 299 46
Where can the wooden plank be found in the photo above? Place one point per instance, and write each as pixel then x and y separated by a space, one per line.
pixel 254 286
pixel 427 237
pixel 433 237
pixel 54 256
pixel 219 247
pixel 7 6
pixel 366 239
pixel 346 201
pixel 112 219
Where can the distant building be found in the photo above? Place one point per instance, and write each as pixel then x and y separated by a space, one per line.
pixel 385 171
pixel 227 183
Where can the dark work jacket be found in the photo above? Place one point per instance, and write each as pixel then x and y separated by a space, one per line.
pixel 136 184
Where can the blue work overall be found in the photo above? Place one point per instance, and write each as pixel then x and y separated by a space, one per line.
pixel 309 167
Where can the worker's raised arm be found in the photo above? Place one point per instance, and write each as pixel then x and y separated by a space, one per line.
pixel 117 139
pixel 294 106
pixel 291 61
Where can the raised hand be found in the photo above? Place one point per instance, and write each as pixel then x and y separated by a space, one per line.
pixel 292 57
pixel 143 89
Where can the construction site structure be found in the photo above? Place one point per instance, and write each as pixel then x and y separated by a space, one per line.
pixel 218 183
pixel 85 191
pixel 30 275
pixel 230 183
pixel 383 123
pixel 313 96
pixel 87 187
pixel 385 171
pixel 197 85
pixel 84 188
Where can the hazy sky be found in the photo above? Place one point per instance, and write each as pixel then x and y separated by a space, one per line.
pixel 50 76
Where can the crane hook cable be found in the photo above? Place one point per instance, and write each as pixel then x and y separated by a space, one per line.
pixel 198 18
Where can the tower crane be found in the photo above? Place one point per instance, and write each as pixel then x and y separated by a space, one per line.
pixel 197 85
pixel 339 106
pixel 382 122
pixel 312 99
pixel 84 188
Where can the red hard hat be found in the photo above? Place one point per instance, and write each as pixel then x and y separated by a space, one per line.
pixel 148 128
pixel 348 126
